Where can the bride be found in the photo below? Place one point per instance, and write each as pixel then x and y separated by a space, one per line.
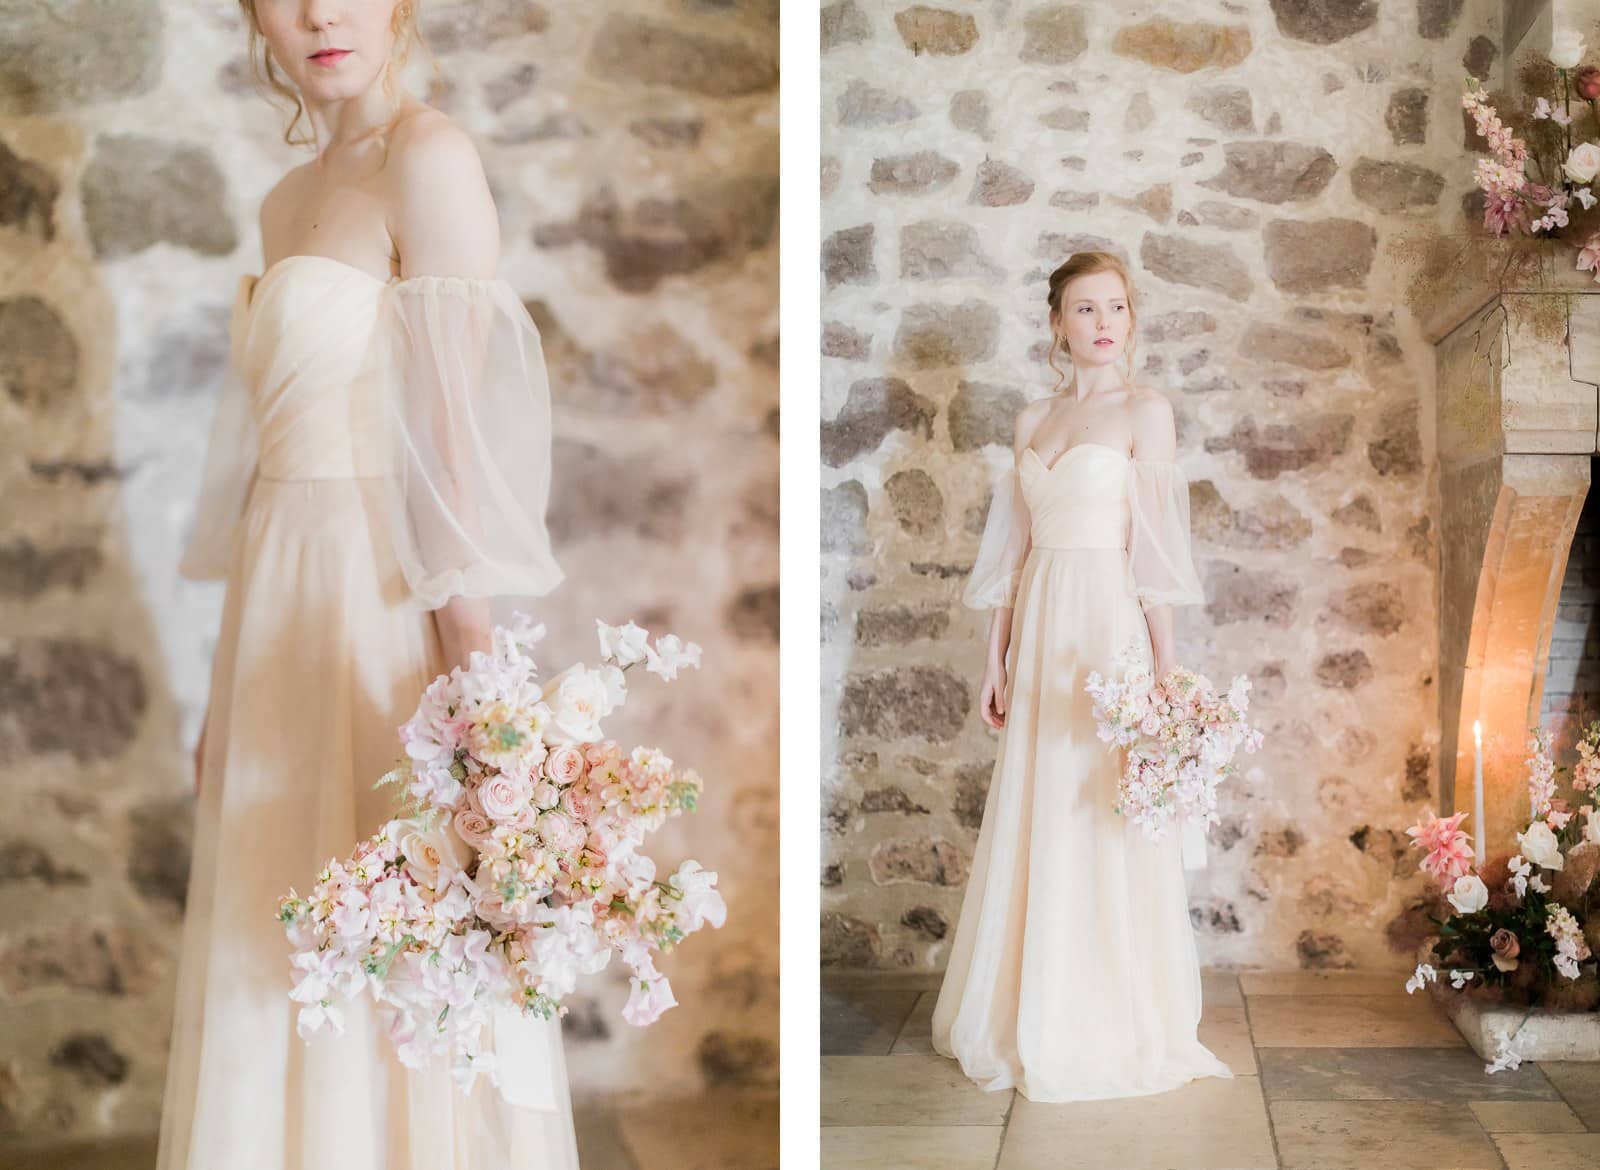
pixel 378 471
pixel 1073 973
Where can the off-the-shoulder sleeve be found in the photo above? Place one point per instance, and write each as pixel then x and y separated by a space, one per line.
pixel 1160 565
pixel 1003 548
pixel 225 479
pixel 471 439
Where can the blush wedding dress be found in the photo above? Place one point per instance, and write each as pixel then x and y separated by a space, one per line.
pixel 1073 974
pixel 379 447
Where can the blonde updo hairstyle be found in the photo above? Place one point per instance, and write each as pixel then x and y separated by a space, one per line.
pixel 1087 264
pixel 265 71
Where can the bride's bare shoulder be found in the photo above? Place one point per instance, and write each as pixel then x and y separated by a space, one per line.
pixel 442 216
pixel 425 139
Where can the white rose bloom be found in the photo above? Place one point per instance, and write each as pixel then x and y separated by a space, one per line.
pixel 428 851
pixel 1539 845
pixel 1469 894
pixel 577 702
pixel 1583 164
pixel 1566 49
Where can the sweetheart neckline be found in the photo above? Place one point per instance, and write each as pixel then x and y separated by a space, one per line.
pixel 1049 467
pixel 257 279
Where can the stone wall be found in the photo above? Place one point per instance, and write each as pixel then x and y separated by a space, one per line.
pixel 631 145
pixel 1257 166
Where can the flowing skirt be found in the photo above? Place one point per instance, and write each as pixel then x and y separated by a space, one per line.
pixel 321 657
pixel 1073 974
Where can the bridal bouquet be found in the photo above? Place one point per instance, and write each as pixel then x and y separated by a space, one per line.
pixel 1181 738
pixel 1525 925
pixel 516 869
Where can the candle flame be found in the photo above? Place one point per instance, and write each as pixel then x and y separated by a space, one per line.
pixel 1477 733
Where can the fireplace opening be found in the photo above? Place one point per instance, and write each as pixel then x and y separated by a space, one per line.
pixel 1571 699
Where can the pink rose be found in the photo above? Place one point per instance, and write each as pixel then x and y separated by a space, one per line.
pixel 578 803
pixel 564 765
pixel 546 795
pixel 1587 83
pixel 503 797
pixel 561 832
pixel 1505 949
pixel 472 827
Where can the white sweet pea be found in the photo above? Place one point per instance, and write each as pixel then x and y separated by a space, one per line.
pixel 1566 48
pixel 1583 164
pixel 1539 845
pixel 1591 824
pixel 1508 1053
pixel 1459 979
pixel 669 654
pixel 1424 975
pixel 701 901
pixel 1469 895
pixel 626 644
pixel 1585 197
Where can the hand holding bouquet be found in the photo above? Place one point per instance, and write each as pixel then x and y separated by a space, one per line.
pixel 516 870
pixel 1181 738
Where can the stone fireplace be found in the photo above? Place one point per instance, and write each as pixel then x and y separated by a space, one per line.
pixel 1517 410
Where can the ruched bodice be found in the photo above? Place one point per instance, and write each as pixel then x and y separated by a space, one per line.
pixel 1080 500
pixel 301 343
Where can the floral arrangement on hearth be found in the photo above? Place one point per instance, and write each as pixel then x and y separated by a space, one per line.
pixel 514 869
pixel 1522 928
pixel 1181 738
pixel 1537 183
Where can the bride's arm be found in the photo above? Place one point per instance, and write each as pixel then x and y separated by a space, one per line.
pixel 1160 566
pixel 443 220
pixel 1007 538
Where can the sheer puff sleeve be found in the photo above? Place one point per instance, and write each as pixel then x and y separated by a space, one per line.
pixel 997 571
pixel 470 414
pixel 228 472
pixel 1160 566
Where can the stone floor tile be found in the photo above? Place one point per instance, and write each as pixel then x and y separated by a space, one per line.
pixel 1553 1151
pixel 861 1022
pixel 905 1090
pixel 601 1145
pixel 1579 1086
pixel 1526 1116
pixel 1397 1020
pixel 853 979
pixel 1409 1074
pixel 912 1147
pixel 131 1153
pixel 1393 1135
pixel 725 1132
pixel 1220 989
pixel 1321 982
pixel 1209 1124
pixel 916 1034
pixel 1226 1032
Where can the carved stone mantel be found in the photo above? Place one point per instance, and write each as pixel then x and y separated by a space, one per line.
pixel 1518 412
